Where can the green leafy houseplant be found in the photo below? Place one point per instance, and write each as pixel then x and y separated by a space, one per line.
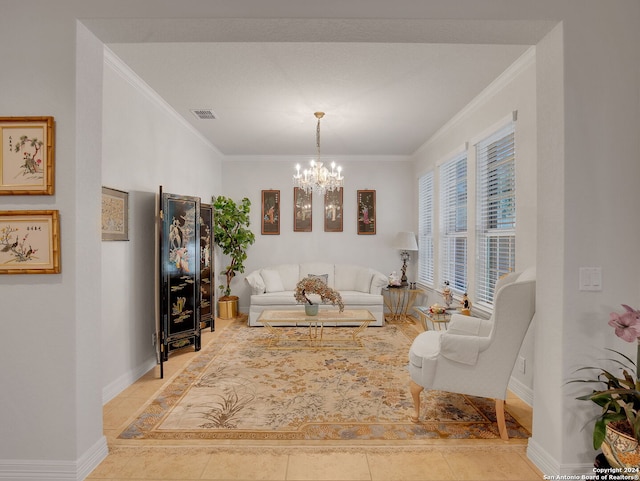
pixel 232 235
pixel 618 396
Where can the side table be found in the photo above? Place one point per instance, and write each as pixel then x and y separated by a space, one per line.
pixel 438 322
pixel 399 301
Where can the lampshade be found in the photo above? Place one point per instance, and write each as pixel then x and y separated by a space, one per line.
pixel 406 241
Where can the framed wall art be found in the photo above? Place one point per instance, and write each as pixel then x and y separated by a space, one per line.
pixel 333 211
pixel 366 212
pixel 115 215
pixel 270 212
pixel 29 242
pixel 27 155
pixel 302 209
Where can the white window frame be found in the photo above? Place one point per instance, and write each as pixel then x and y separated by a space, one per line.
pixel 426 251
pixel 495 211
pixel 453 236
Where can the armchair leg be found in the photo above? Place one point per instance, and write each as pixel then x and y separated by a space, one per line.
pixel 502 425
pixel 415 389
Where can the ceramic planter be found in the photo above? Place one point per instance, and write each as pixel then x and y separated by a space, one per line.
pixel 620 449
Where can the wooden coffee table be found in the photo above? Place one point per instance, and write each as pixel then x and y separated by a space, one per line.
pixel 279 324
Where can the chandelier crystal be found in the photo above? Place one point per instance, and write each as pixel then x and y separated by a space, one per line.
pixel 317 178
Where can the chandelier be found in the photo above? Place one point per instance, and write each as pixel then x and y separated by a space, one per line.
pixel 317 178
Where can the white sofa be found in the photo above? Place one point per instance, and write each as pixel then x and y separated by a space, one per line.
pixel 360 287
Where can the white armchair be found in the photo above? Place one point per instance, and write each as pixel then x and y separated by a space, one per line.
pixel 476 356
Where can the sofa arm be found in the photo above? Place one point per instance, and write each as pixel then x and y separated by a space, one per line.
pixel 256 282
pixel 378 282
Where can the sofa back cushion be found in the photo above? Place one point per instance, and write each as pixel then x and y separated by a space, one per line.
pixel 353 278
pixel 289 275
pixel 318 269
pixel 272 280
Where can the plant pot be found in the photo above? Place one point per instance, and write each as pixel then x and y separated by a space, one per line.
pixel 311 309
pixel 620 449
pixel 228 307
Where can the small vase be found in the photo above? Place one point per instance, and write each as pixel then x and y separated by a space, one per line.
pixel 620 449
pixel 311 309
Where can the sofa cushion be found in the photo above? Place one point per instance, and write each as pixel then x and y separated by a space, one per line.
pixel 272 280
pixel 317 268
pixel 357 298
pixel 289 274
pixel 274 299
pixel 363 281
pixel 256 282
pixel 346 276
pixel 323 277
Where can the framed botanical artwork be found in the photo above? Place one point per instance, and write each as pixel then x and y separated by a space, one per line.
pixel 270 212
pixel 333 211
pixel 302 209
pixel 27 155
pixel 29 242
pixel 366 212
pixel 115 215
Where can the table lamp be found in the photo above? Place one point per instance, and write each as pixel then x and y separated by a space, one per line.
pixel 405 242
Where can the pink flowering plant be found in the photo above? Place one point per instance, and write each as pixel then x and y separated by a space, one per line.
pixel 618 396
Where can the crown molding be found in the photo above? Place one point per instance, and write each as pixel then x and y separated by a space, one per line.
pixel 505 78
pixel 117 65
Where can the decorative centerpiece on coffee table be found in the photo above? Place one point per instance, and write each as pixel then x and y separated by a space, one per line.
pixel 316 285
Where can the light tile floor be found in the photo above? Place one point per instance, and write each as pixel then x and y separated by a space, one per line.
pixel 440 460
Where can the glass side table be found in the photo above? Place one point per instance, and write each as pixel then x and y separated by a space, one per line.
pixel 439 322
pixel 399 301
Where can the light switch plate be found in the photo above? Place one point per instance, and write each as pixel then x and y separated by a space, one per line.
pixel 590 279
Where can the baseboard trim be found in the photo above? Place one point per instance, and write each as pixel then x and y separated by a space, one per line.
pixel 543 460
pixel 123 382
pixel 521 390
pixel 36 470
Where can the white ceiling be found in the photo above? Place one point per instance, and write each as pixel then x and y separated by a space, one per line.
pixel 379 98
pixel 387 82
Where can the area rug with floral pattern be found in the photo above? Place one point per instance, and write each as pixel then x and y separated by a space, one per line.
pixel 238 388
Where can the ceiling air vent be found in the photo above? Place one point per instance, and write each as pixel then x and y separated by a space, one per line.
pixel 204 114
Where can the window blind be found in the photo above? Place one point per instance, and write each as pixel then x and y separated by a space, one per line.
pixel 496 211
pixel 425 229
pixel 453 223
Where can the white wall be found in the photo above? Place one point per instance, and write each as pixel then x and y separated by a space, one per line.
pixel 392 180
pixel 145 145
pixel 514 90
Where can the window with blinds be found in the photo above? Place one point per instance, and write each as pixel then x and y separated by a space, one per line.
pixel 425 229
pixel 453 223
pixel 496 211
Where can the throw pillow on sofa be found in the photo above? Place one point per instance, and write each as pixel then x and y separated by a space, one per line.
pixel 272 280
pixel 363 281
pixel 323 277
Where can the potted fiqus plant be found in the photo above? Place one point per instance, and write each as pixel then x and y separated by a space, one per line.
pixel 233 236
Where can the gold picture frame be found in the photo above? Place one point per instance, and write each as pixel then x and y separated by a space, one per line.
pixel 115 215
pixel 27 155
pixel 302 210
pixel 29 242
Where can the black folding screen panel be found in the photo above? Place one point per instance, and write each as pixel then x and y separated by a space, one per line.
pixel 180 272
pixel 207 291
